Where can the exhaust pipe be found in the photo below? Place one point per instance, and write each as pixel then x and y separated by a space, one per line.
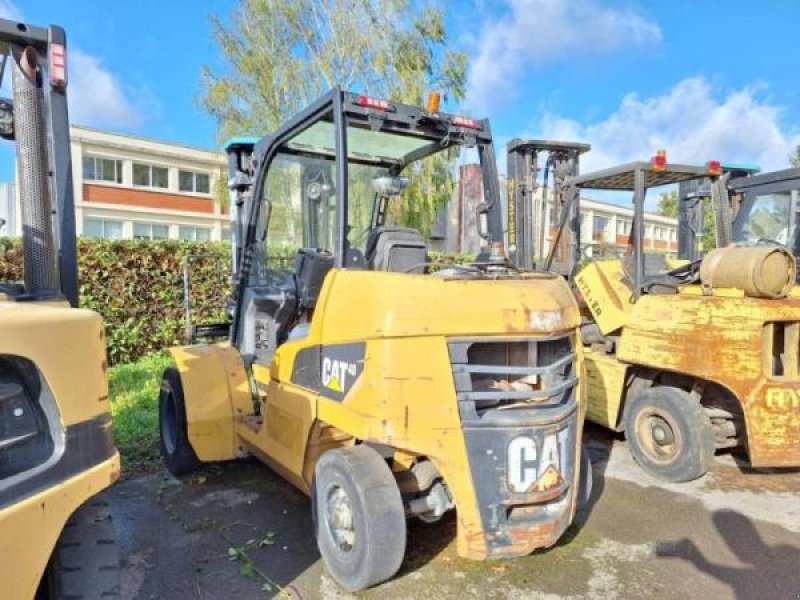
pixel 38 242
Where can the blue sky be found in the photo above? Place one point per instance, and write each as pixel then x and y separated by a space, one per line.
pixel 704 80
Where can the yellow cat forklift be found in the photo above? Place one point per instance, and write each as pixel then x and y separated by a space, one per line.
pixel 685 357
pixel 56 449
pixel 379 387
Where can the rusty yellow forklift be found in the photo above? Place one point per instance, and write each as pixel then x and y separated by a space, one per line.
pixel 685 357
pixel 380 388
pixel 56 450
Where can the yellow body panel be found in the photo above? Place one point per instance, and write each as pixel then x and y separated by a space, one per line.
pixel 605 382
pixel 215 373
pixel 722 339
pixel 30 528
pixel 368 304
pixel 68 347
pixel 718 337
pixel 603 288
pixel 404 397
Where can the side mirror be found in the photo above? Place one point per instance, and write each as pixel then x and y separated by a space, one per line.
pixel 386 185
pixel 316 189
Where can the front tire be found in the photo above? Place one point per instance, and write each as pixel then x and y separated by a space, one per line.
pixel 359 517
pixel 176 450
pixel 85 562
pixel 669 434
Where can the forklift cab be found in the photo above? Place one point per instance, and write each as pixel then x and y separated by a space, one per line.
pixel 641 272
pixel 330 189
pixel 768 209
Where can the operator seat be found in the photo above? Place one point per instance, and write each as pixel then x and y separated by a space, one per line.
pixel 397 249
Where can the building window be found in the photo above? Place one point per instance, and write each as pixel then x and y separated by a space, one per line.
pixel 194 234
pixel 226 234
pixel 96 168
pixel 623 227
pixel 150 231
pixel 191 181
pixel 150 176
pixel 102 228
pixel 599 227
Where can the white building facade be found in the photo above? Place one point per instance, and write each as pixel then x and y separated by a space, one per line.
pixel 129 187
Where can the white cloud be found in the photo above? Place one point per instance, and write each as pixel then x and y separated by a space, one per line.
pixel 97 97
pixel 693 121
pixel 535 32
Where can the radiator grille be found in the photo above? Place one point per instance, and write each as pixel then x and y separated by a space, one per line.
pixel 504 375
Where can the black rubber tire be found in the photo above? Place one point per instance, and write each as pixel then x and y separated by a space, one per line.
pixel 585 481
pixel 176 450
pixel 85 562
pixel 377 512
pixel 694 444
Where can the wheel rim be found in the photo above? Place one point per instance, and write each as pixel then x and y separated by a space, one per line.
pixel 659 435
pixel 169 427
pixel 339 518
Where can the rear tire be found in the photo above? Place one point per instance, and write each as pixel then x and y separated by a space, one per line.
pixel 85 562
pixel 669 434
pixel 359 517
pixel 176 450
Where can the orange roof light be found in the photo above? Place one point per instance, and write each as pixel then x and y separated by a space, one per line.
pixel 434 101
pixel 714 168
pixel 659 161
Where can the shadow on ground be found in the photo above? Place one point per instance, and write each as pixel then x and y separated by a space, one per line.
pixel 763 571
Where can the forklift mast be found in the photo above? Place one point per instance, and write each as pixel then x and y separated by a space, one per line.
pixel 240 179
pixel 527 213
pixel 37 119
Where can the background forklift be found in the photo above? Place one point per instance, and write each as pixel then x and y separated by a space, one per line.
pixel 765 207
pixel 528 211
pixel 382 390
pixel 56 449
pixel 685 357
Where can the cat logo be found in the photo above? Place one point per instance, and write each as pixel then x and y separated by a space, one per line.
pixel 337 375
pixel 538 469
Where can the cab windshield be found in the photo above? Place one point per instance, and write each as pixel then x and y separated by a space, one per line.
pixel 770 219
pixel 393 180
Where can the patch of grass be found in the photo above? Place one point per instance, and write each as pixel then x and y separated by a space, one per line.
pixel 134 389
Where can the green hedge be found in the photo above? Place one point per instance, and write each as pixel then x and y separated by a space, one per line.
pixel 137 286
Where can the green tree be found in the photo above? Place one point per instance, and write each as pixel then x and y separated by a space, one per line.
pixel 668 204
pixel 279 55
pixel 668 207
pixel 794 157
